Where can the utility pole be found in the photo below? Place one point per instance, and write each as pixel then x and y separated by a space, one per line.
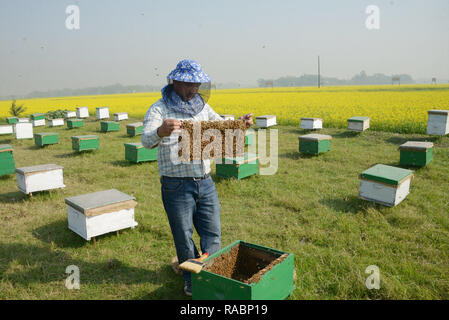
pixel 319 81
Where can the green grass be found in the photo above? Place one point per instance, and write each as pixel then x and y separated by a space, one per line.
pixel 309 208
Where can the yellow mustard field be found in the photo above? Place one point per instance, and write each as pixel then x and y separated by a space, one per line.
pixel 391 108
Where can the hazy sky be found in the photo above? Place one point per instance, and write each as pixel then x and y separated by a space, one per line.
pixel 140 41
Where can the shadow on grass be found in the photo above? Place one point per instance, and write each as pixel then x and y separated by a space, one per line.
pixel 398 140
pixel 6 141
pixel 297 155
pixel 13 197
pixel 351 204
pixel 347 134
pixel 124 163
pixel 35 147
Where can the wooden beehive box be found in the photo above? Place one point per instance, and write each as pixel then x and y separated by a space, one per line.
pixel 120 116
pixel 249 138
pixel 134 129
pixel 358 123
pixel 314 143
pixel 102 113
pixel 23 120
pixel 416 153
pixel 38 119
pixel 56 122
pixel 266 121
pixel 70 114
pixel 7 164
pixel 82 112
pixel 311 123
pixel 227 116
pixel 87 142
pixel 97 213
pixel 6 129
pixel 385 185
pixel 40 178
pixel 107 126
pixel 12 120
pixel 245 271
pixel 75 123
pixel 238 167
pixel 23 130
pixel 135 152
pixel 438 122
pixel 45 138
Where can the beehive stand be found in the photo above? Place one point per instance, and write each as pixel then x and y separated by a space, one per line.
pixel 102 113
pixel 359 124
pixel 38 119
pixel 238 167
pixel 134 129
pixel 416 153
pixel 260 273
pixel 56 122
pixel 6 129
pixel 75 123
pixel 88 142
pixel 40 178
pixel 314 143
pixel 108 126
pixel 385 185
pixel 135 152
pixel 438 122
pixel 266 121
pixel 311 123
pixel 82 112
pixel 7 164
pixel 97 213
pixel 120 116
pixel 23 130
pixel 45 138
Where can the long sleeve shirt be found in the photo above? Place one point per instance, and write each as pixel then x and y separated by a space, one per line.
pixel 155 116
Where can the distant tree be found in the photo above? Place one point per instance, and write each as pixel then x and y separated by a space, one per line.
pixel 16 110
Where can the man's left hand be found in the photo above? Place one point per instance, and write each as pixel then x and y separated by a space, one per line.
pixel 248 118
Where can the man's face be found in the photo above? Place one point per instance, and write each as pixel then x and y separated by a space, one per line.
pixel 186 90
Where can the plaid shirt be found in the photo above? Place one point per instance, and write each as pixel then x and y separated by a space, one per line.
pixel 155 116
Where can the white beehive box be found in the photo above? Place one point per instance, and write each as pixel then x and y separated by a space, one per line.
pixel 38 123
pixel 82 112
pixel 384 184
pixel 23 130
pixel 266 121
pixel 70 114
pixel 120 116
pixel 227 116
pixel 24 120
pixel 311 123
pixel 6 129
pixel 358 123
pixel 56 122
pixel 39 178
pixel 438 122
pixel 102 113
pixel 97 213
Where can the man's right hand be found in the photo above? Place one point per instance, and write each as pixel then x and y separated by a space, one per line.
pixel 167 127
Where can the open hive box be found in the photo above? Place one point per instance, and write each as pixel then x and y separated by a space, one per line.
pixel 245 271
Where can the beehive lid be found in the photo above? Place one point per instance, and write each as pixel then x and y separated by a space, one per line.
pixel 386 174
pixel 87 137
pixel 96 203
pixel 416 146
pixel 135 125
pixel 313 119
pixel 358 119
pixel 247 157
pixel 120 113
pixel 37 114
pixel 443 112
pixel 42 134
pixel 266 117
pixel 5 147
pixel 12 118
pixel 81 108
pixel 102 108
pixel 109 122
pixel 76 119
pixel 38 168
pixel 137 145
pixel 315 137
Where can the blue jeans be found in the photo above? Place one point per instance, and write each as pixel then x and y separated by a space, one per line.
pixel 188 204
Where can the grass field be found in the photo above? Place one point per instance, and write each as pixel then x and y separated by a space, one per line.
pixel 309 208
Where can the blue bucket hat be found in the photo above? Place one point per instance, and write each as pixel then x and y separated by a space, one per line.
pixel 188 71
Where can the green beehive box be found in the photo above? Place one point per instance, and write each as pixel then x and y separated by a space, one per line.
pixel 314 143
pixel 134 129
pixel 238 167
pixel 7 164
pixel 88 142
pixel 45 138
pixel 12 120
pixel 249 139
pixel 136 152
pixel 416 153
pixel 260 273
pixel 37 116
pixel 107 126
pixel 75 123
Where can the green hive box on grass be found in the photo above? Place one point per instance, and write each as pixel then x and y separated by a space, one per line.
pixel 416 153
pixel 88 142
pixel 314 143
pixel 7 165
pixel 133 129
pixel 245 271
pixel 75 123
pixel 135 152
pixel 12 120
pixel 238 167
pixel 45 138
pixel 107 126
